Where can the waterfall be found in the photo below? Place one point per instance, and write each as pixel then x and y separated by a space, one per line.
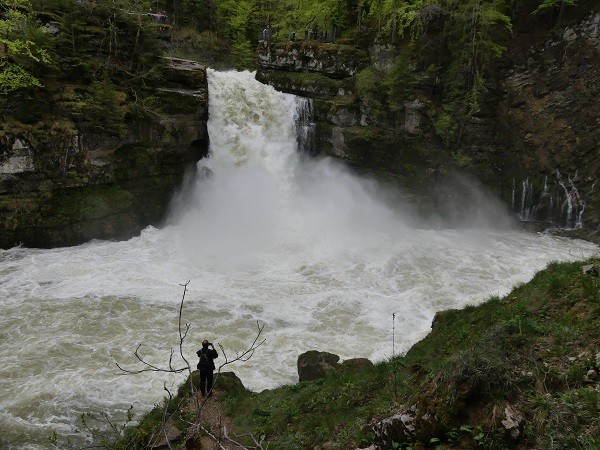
pixel 573 205
pixel 559 206
pixel 306 129
pixel 320 256
pixel 528 210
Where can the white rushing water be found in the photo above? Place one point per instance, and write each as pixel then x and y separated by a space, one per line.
pixel 302 246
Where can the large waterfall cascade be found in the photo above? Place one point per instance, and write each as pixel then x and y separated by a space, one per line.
pixel 319 256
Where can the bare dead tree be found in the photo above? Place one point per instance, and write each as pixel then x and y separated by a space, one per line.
pixel 147 367
pixel 183 330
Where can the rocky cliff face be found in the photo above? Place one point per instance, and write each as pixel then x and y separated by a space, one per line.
pixel 400 148
pixel 536 143
pixel 551 108
pixel 60 187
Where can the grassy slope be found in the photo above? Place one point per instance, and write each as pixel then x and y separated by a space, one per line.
pixel 530 349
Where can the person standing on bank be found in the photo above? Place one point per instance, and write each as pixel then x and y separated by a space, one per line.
pixel 206 366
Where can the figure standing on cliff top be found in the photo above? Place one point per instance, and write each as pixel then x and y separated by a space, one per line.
pixel 206 365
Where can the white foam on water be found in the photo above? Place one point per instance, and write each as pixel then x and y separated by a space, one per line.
pixel 304 247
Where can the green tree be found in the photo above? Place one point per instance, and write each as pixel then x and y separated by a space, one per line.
pixel 546 5
pixel 476 30
pixel 21 47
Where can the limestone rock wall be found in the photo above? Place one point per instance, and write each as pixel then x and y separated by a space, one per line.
pixel 60 186
pixel 332 60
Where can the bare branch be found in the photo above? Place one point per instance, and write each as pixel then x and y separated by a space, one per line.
pixel 182 335
pixel 246 354
pixel 213 437
pixel 150 367
pixel 257 442
pixel 170 369
pixel 165 411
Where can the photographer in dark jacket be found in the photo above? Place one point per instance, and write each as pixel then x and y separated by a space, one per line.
pixel 206 365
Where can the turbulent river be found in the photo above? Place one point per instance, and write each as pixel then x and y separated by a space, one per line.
pixel 321 257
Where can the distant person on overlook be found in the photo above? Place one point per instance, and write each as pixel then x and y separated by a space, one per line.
pixel 206 366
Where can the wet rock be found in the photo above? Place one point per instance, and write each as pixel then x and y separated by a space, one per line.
pixel 406 425
pixel 412 116
pixel 591 376
pixel 332 60
pixel 569 35
pixel 540 91
pixel 16 158
pixel 315 364
pixel 338 143
pixel 355 363
pixel 344 117
pixel 397 428
pixel 382 56
pixel 590 29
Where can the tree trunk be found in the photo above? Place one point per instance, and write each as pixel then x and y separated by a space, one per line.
pixel 560 13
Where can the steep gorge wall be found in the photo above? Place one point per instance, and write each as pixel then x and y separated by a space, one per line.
pixel 552 112
pixel 535 143
pixel 60 186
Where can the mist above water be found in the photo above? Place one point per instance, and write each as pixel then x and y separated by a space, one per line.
pixel 318 255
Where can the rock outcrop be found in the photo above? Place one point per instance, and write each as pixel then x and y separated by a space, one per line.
pixel 402 146
pixel 552 118
pixel 331 60
pixel 314 364
pixel 407 425
pixel 60 186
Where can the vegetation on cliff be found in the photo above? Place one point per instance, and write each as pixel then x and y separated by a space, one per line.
pixel 96 127
pixel 86 63
pixel 520 371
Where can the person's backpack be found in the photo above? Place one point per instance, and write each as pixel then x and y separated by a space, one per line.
pixel 205 362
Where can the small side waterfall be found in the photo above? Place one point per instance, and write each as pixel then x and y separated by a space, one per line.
pixel 573 206
pixel 558 202
pixel 528 209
